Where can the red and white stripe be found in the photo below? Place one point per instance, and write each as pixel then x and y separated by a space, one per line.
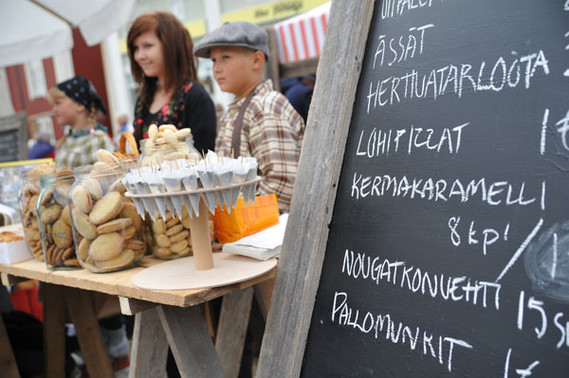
pixel 302 37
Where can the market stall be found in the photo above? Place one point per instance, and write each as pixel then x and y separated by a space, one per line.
pixel 296 44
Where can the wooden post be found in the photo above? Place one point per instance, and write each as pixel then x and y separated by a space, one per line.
pixel 149 346
pixel 190 342
pixel 304 244
pixel 272 68
pixel 201 241
pixel 82 314
pixel 235 310
pixel 54 330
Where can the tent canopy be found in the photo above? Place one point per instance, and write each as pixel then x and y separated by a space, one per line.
pixel 37 29
pixel 302 37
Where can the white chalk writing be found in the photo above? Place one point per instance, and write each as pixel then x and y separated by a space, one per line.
pixel 440 348
pixel 456 79
pixel 429 189
pixel 377 142
pixel 404 48
pixel 457 289
pixel 392 8
pixel 541 322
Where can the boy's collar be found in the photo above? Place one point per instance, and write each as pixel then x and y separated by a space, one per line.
pixel 261 88
pixel 82 132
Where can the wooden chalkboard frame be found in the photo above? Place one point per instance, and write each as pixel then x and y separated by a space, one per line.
pixel 315 189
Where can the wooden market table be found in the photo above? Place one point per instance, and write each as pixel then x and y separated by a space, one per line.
pixel 162 318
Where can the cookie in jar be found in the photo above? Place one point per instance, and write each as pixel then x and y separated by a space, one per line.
pixel 55 221
pixel 172 236
pixel 27 202
pixel 108 232
pixel 167 143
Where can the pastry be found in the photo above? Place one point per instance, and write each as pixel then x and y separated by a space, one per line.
pixel 186 251
pixel 159 227
pixel 129 211
pixel 172 222
pixel 50 214
pixel 163 241
pixel 162 252
pixel 93 187
pixel 71 262
pixel 179 236
pixel 174 230
pixel 62 236
pixel 106 208
pixel 106 247
pixel 186 222
pixel 117 186
pixel 48 195
pixel 83 225
pixel 81 198
pixel 106 157
pixel 66 215
pixel 134 244
pixel 83 249
pixel 123 259
pixel 118 224
pixel 129 232
pixel 179 246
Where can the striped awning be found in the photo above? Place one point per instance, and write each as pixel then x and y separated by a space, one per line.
pixel 302 37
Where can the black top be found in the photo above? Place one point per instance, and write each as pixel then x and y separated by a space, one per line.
pixel 190 107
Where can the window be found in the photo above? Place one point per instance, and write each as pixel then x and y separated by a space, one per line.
pixel 35 79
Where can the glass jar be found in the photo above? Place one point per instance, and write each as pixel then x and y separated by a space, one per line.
pixel 55 221
pixel 154 151
pixel 28 202
pixel 108 232
pixel 172 236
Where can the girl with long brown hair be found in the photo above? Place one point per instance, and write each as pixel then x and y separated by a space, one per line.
pixel 162 63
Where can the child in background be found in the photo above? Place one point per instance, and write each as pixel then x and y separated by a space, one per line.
pixel 260 122
pixel 76 103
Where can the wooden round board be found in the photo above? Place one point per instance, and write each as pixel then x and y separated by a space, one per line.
pixel 180 273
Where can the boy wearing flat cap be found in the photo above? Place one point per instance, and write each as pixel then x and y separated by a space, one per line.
pixel 260 122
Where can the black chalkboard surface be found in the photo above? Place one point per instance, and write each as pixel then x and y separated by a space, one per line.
pixel 448 250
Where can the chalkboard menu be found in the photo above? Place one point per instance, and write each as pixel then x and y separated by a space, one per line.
pixel 448 250
pixel 13 138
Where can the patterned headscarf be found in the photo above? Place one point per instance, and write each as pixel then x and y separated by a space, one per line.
pixel 81 90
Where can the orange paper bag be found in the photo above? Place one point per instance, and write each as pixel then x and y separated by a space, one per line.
pixel 245 220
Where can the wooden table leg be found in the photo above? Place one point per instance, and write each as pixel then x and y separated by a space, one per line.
pixel 149 350
pixel 190 342
pixel 82 313
pixel 264 294
pixel 54 331
pixel 8 365
pixel 232 328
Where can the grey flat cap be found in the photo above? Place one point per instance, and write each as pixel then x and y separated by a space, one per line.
pixel 238 33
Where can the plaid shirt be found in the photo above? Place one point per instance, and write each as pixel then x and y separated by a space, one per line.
pixel 77 151
pixel 272 132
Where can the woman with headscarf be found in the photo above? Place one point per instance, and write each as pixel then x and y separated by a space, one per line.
pixel 76 104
